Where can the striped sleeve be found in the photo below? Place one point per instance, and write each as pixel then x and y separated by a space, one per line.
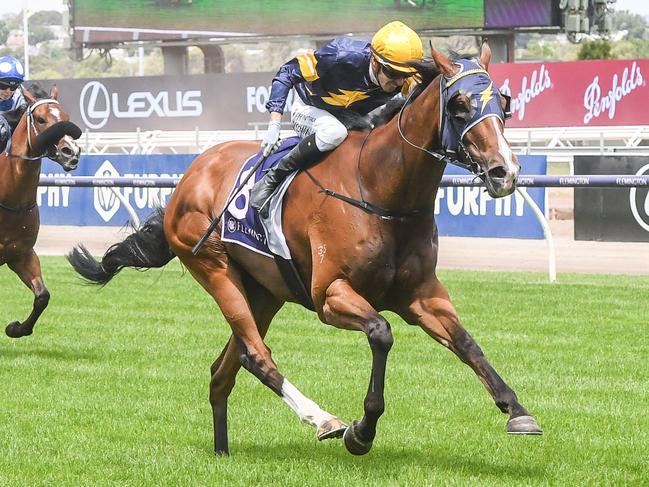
pixel 308 65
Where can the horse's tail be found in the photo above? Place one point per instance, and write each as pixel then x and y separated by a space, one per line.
pixel 144 249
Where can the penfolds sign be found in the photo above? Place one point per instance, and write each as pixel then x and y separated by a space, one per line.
pixel 579 93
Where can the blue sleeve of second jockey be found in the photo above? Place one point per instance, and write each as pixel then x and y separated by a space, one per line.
pixel 305 67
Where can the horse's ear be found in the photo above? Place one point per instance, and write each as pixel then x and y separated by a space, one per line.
pixel 443 63
pixel 485 54
pixel 54 92
pixel 28 96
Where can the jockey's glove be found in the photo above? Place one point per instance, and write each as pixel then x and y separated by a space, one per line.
pixel 270 142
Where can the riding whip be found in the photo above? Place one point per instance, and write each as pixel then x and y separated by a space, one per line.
pixel 216 221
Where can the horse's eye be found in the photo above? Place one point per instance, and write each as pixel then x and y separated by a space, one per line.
pixel 40 120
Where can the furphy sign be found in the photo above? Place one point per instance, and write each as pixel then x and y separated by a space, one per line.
pixel 464 211
pixel 580 93
pixel 100 205
pixel 460 211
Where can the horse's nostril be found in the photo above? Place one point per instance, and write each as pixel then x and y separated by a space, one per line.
pixel 497 173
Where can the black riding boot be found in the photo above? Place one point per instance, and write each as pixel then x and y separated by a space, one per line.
pixel 304 153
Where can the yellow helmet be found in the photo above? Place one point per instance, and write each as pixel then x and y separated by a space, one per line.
pixel 395 44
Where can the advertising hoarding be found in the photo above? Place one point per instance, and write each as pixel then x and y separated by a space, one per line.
pixel 459 211
pixel 612 214
pixel 575 94
pixel 570 94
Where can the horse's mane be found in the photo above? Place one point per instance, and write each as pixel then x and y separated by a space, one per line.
pixel 428 71
pixel 14 116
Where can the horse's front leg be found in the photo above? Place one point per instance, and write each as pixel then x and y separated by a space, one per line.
pixel 433 310
pixel 344 308
pixel 29 270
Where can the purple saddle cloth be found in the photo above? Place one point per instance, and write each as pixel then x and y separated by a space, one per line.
pixel 241 224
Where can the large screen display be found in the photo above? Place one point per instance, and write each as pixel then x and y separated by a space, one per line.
pixel 106 21
pixel 519 13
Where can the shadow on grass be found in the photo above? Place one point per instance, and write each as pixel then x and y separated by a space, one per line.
pixel 59 354
pixel 381 460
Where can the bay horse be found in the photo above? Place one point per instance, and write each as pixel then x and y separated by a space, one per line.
pixel 377 253
pixel 41 128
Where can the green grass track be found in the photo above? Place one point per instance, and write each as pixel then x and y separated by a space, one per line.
pixel 112 388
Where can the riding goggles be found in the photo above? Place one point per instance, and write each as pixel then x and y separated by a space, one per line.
pixel 393 74
pixel 9 85
pixel 389 71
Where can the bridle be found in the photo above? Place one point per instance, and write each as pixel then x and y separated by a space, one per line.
pixel 31 126
pixel 443 157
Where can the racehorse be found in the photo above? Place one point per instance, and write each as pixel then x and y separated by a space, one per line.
pixel 368 246
pixel 41 129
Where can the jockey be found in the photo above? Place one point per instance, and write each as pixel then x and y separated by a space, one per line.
pixel 345 74
pixel 12 75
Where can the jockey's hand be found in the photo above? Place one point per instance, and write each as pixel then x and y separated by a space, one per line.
pixel 270 142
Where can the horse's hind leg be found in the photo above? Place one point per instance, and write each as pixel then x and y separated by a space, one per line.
pixel 224 370
pixel 344 308
pixel 437 316
pixel 29 271
pixel 222 279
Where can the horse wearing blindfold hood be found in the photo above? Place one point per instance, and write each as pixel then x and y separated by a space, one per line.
pixel 39 129
pixel 362 238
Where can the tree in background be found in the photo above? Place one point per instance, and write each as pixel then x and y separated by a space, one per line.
pixel 634 24
pixel 598 49
pixel 4 32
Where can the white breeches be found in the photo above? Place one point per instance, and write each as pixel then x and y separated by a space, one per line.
pixel 306 120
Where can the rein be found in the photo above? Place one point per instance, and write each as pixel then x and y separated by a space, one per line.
pixel 366 206
pixel 31 126
pixel 384 213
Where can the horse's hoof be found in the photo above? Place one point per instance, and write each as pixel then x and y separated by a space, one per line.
pixel 353 443
pixel 332 428
pixel 523 425
pixel 15 330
